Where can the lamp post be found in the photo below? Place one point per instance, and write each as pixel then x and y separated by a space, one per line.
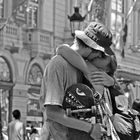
pixel 75 20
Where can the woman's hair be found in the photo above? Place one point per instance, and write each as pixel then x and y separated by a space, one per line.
pixel 136 105
pixel 112 65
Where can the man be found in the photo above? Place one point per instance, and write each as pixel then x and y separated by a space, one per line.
pixel 59 75
pixel 16 128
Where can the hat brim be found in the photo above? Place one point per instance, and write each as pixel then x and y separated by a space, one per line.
pixel 88 41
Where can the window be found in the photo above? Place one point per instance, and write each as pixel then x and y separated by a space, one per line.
pixel 34 114
pixel 138 26
pixel 35 75
pixel 116 22
pixel 32 14
pixel 30 37
pixel 4 71
pixel 5 94
pixel 1 8
pixel 117 8
pixel 117 4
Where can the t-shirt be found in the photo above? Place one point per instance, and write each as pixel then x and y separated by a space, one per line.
pixel 16 130
pixel 58 76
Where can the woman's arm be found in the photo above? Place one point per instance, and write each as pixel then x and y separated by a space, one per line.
pixel 73 57
pixel 77 61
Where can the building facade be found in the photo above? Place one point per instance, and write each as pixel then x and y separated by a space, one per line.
pixel 30 31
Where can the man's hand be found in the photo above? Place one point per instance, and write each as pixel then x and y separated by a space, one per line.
pixel 98 131
pixel 101 78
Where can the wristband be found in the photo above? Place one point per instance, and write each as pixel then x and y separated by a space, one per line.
pixel 91 129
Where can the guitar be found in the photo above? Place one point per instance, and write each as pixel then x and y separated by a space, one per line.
pixel 79 101
pixel 84 103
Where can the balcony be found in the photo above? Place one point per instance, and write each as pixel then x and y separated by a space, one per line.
pixel 38 42
pixel 10 38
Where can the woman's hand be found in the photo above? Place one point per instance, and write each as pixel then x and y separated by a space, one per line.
pixel 101 78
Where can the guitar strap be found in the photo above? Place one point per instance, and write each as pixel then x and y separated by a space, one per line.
pixel 107 99
pixel 107 107
pixel 109 112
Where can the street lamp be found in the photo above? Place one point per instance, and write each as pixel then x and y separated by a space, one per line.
pixel 75 20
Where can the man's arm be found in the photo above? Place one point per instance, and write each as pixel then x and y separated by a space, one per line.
pixel 102 78
pixel 58 115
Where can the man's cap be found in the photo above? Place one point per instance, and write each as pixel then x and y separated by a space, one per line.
pixel 96 36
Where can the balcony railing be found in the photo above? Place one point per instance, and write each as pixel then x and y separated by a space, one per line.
pixel 10 38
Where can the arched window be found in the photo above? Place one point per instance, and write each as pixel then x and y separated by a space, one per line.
pixel 5 92
pixel 5 75
pixel 34 114
pixel 35 75
pixel 32 14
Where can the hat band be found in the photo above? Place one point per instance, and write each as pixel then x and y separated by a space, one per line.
pixel 92 43
pixel 91 36
pixel 97 47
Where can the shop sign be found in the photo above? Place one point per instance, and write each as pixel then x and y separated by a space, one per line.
pixel 33 108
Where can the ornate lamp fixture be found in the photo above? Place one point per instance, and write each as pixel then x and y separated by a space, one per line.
pixel 75 20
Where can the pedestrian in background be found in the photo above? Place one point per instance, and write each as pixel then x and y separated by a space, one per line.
pixel 34 135
pixel 16 128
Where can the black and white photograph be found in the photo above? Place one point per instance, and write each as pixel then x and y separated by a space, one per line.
pixel 69 69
